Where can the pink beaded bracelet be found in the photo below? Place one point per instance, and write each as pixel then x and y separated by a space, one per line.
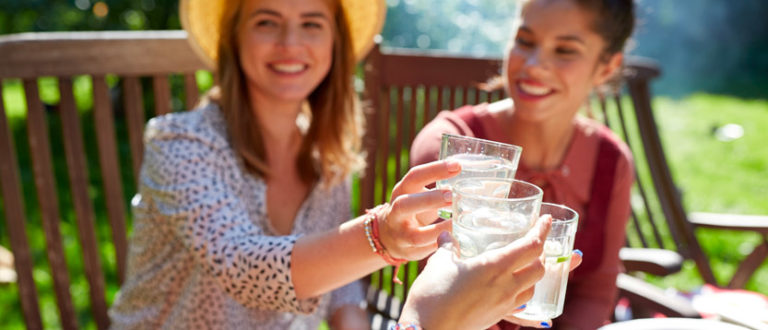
pixel 371 225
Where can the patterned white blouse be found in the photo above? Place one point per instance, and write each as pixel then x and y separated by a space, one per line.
pixel 203 254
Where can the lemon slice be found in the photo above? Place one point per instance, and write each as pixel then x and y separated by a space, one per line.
pixel 563 258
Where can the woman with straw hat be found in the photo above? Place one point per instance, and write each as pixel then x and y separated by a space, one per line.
pixel 239 214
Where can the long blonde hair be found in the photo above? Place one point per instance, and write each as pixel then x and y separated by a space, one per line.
pixel 330 148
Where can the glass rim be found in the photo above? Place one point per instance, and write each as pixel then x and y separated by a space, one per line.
pixel 472 138
pixel 562 206
pixel 538 195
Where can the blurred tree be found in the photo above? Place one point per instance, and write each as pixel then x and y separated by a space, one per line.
pixel 87 15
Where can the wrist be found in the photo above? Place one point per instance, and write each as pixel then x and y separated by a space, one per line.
pixel 372 235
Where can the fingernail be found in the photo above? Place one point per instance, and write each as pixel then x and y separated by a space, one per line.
pixel 447 195
pixel 521 307
pixel 577 251
pixel 546 325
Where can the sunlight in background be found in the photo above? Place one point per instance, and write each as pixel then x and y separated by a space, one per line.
pixel 100 9
pixel 467 27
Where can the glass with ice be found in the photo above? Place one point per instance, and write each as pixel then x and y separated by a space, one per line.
pixel 479 158
pixel 549 293
pixel 489 213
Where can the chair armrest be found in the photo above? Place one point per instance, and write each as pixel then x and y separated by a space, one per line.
pixel 649 297
pixel 653 261
pixel 758 223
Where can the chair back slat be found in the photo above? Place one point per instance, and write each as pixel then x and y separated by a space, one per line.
pixel 426 112
pixel 400 100
pixel 384 147
pixel 78 177
pixel 104 122
pixel 191 94
pixel 414 111
pixel 640 184
pixel 134 115
pixel 15 222
pixel 49 207
pixel 637 229
pixel 162 93
pixel 440 103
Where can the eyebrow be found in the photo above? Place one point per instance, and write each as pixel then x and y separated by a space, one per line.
pixel 270 12
pixel 567 37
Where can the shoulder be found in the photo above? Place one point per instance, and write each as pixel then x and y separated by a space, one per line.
pixel 204 126
pixel 606 138
pixel 193 141
pixel 426 144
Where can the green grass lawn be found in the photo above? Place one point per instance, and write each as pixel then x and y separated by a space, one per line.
pixel 715 176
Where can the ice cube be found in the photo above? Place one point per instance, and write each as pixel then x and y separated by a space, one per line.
pixel 553 248
pixel 487 218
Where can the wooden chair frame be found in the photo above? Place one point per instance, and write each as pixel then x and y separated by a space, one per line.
pixel 129 55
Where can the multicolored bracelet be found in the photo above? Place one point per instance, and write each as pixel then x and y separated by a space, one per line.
pixel 404 326
pixel 371 225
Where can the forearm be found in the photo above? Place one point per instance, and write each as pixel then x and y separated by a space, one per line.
pixel 325 261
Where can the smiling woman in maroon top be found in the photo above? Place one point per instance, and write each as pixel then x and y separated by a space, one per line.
pixel 560 51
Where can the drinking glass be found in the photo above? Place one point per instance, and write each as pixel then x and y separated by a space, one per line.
pixel 489 213
pixel 549 293
pixel 479 158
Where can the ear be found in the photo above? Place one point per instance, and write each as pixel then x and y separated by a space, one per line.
pixel 606 70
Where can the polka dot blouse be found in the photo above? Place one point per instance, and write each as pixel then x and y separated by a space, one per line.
pixel 203 253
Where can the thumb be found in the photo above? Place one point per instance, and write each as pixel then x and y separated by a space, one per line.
pixel 445 245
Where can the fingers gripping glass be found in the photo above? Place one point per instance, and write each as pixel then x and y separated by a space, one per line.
pixel 479 159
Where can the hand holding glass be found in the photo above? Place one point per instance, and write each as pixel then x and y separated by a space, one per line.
pixel 549 293
pixel 479 159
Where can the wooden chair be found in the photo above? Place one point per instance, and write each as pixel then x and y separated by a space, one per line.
pixel 129 58
pixel 407 89
pixel 661 212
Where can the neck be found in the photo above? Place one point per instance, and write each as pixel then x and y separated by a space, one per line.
pixel 282 137
pixel 544 142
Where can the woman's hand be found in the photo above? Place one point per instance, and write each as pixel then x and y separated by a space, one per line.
pixel 575 262
pixel 406 227
pixel 475 293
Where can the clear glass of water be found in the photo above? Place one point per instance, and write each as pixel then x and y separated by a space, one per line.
pixel 489 213
pixel 479 158
pixel 549 293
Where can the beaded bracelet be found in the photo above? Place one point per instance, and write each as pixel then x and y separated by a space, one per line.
pixel 403 326
pixel 371 225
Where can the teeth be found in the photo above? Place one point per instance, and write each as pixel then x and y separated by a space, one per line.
pixel 534 90
pixel 288 68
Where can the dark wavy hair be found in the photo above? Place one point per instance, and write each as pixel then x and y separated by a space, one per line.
pixel 614 21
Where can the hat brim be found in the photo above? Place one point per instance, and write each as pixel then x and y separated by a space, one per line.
pixel 201 18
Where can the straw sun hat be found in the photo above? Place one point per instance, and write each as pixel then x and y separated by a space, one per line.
pixel 201 20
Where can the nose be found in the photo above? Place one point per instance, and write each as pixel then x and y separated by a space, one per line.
pixel 535 63
pixel 289 36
